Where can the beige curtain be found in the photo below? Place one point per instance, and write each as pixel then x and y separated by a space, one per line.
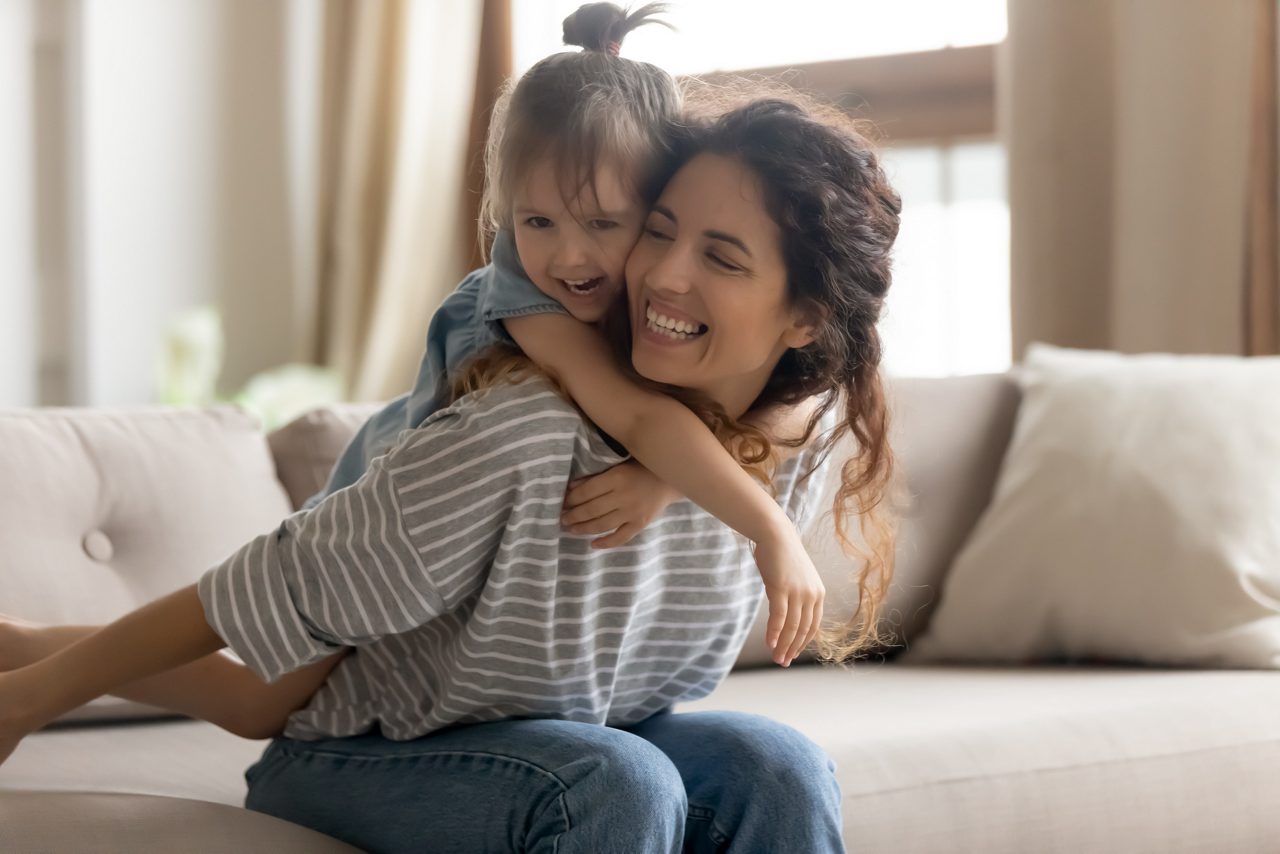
pixel 395 225
pixel 1142 174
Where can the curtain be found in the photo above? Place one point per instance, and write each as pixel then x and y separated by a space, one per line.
pixel 1142 174
pixel 395 137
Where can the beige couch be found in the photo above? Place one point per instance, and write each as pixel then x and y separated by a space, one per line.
pixel 101 511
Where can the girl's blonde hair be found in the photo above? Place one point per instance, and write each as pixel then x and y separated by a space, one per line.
pixel 580 109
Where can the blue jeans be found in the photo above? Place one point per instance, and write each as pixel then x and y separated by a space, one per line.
pixel 697 782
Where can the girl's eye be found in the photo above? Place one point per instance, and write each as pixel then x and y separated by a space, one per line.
pixel 603 224
pixel 655 234
pixel 538 222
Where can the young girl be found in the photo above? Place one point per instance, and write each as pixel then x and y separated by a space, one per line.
pixel 577 152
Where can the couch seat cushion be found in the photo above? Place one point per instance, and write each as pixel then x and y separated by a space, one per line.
pixel 944 759
pixel 66 821
pixel 177 757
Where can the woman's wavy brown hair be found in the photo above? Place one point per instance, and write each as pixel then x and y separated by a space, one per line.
pixel 826 190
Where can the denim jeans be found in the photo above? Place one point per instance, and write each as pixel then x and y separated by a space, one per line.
pixel 695 782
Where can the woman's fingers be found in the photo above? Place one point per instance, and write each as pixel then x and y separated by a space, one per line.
pixel 601 525
pixel 588 512
pixel 588 489
pixel 620 537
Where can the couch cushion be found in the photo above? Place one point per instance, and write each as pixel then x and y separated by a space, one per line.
pixel 43 821
pixel 949 435
pixel 306 448
pixel 176 758
pixel 106 510
pixel 944 759
pixel 1136 518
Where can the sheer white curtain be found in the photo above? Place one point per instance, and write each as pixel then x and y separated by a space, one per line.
pixel 385 233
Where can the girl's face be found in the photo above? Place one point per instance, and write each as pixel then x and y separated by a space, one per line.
pixel 573 242
pixel 707 286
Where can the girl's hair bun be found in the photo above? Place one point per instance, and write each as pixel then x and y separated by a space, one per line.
pixel 603 26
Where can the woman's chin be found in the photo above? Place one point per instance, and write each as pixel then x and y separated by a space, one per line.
pixel 659 370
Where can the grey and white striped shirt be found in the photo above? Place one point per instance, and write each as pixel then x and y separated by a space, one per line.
pixel 447 568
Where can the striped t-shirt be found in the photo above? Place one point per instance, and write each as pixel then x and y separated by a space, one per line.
pixel 447 568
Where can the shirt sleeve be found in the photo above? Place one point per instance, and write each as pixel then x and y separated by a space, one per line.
pixel 410 540
pixel 509 291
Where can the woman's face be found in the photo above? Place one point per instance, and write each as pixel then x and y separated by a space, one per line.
pixel 707 286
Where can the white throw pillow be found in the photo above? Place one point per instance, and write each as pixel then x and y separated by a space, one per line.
pixel 1136 518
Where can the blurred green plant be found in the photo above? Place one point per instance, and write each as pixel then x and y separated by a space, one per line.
pixel 192 361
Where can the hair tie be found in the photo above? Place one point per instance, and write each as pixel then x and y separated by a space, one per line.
pixel 613 47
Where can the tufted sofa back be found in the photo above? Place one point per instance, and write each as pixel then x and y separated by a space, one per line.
pixel 102 511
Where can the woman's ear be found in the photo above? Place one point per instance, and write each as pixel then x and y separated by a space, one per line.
pixel 805 323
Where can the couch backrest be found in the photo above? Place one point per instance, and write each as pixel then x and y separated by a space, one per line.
pixel 102 511
pixel 949 435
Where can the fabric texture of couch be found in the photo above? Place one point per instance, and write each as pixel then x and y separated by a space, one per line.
pixel 103 511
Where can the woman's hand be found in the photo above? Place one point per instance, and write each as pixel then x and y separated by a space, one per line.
pixel 795 592
pixel 624 500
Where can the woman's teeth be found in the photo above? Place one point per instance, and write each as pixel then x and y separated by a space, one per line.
pixel 679 330
pixel 583 287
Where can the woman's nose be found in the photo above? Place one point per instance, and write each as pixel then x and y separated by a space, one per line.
pixel 670 274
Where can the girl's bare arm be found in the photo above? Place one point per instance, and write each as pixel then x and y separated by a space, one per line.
pixel 673 443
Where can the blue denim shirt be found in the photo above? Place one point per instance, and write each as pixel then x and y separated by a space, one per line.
pixel 468 321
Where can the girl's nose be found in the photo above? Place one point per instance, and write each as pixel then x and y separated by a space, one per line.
pixel 570 254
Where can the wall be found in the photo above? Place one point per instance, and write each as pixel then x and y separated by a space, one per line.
pixel 144 172
pixel 17 250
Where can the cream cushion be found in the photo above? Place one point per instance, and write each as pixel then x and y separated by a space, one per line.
pixel 306 448
pixel 105 510
pixel 1136 518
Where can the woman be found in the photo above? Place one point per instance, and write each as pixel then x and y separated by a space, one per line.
pixel 489 650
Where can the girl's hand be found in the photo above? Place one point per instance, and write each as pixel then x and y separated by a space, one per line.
pixel 795 592
pixel 624 500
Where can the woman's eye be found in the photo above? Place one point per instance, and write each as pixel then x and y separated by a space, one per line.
pixel 655 234
pixel 720 262
pixel 603 224
pixel 538 222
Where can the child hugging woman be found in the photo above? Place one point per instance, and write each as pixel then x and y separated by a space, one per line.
pixel 444 666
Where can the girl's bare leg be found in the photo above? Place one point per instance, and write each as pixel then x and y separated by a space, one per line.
pixel 215 688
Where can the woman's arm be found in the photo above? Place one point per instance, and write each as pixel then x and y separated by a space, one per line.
pixel 162 635
pixel 673 443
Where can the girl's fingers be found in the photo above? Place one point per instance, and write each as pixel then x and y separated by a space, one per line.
pixel 802 634
pixel 777 620
pixel 788 636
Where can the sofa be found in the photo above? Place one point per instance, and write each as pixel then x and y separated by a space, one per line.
pixel 101 511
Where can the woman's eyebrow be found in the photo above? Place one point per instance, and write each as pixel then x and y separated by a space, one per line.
pixel 659 209
pixel 730 239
